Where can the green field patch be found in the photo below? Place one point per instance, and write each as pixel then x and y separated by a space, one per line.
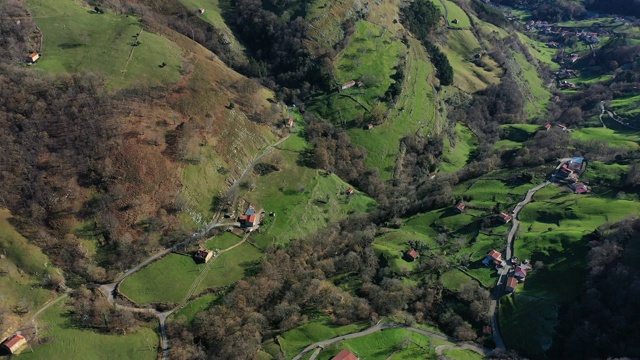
pixel 605 174
pixel 461 47
pixel 540 50
pixel 66 341
pixel 77 39
pixel 538 94
pixel 624 139
pixel 294 340
pixel 457 151
pixel 302 199
pixel 414 112
pixel 222 241
pixel 387 344
pixel 23 268
pixel 455 12
pixel 187 313
pixel 230 267
pixel 507 145
pixel 627 107
pixel 454 279
pixel 462 354
pixel 150 285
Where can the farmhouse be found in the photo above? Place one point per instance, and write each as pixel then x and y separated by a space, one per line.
pixel 505 218
pixel 345 355
pixel 203 255
pixel 247 220
pixel 460 208
pixel 493 256
pixel 512 283
pixel 13 343
pixel 576 163
pixel 520 272
pixel 33 58
pixel 411 255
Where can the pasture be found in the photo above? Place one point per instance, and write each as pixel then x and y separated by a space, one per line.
pixel 458 150
pixel 624 139
pixel 66 341
pixel 78 39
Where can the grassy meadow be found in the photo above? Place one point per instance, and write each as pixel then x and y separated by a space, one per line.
pixel 230 267
pixel 457 151
pixel 77 39
pixel 624 139
pixel 461 47
pixel 455 12
pixel 387 344
pixel 68 342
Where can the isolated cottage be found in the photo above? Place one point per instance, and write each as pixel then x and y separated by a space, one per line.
pixel 350 191
pixel 13 343
pixel 290 123
pixel 201 11
pixel 411 255
pixel 460 208
pixel 547 126
pixel 33 58
pixel 345 355
pixel 203 255
pixel 347 85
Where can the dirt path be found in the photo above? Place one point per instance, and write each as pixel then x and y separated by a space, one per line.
pixel 318 346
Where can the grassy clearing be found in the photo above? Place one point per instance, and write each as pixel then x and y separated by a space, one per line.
pixel 627 107
pixel 303 199
pixel 454 279
pixel 606 174
pixel 149 285
pixel 540 50
pixel 462 354
pixel 455 12
pixel 230 267
pixel 387 344
pixel 458 150
pixel 624 139
pixel 223 241
pixel 294 340
pixel 462 45
pixel 68 342
pixel 76 39
pixel 192 308
pixel 539 94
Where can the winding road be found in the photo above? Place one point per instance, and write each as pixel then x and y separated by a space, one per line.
pixel 318 346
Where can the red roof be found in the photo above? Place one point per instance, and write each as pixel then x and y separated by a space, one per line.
pixel 494 255
pixel 290 121
pixel 512 283
pixel 350 191
pixel 413 253
pixel 506 217
pixel 345 355
pixel 243 218
pixel 460 207
pixel 252 218
pixel 547 126
pixel 582 191
pixel 520 271
pixel 13 341
pixel 348 84
pixel 486 330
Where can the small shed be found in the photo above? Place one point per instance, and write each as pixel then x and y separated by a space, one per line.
pixel 455 21
pixel 201 11
pixel 347 85
pixel 369 126
pixel 350 191
pixel 33 58
pixel 460 208
pixel 547 126
pixel 203 255
pixel 290 122
pixel 13 343
pixel 505 218
pixel 411 255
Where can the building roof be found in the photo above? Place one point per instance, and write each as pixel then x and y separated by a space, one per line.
pixel 34 55
pixel 520 271
pixel 512 283
pixel 14 342
pixel 487 330
pixel 413 253
pixel 349 190
pixel 506 217
pixel 348 84
pixel 250 212
pixel 345 355
pixel 252 218
pixel 582 191
pixel 243 218
pixel 460 206
pixel 577 160
pixel 547 126
pixel 494 255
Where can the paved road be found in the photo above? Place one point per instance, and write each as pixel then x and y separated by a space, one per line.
pixel 379 327
pixel 516 213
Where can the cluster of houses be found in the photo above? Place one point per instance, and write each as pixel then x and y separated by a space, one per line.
pixel 518 276
pixel 569 172
pixel 13 344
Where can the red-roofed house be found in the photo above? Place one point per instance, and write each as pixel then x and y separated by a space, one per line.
pixel 493 256
pixel 349 191
pixel 512 283
pixel 547 126
pixel 505 218
pixel 13 343
pixel 520 272
pixel 345 355
pixel 411 255
pixel 579 187
pixel 369 126
pixel 290 123
pixel 247 220
pixel 460 208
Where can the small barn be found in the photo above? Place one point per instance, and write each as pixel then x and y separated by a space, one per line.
pixel 203 255
pixel 201 11
pixel 460 208
pixel 290 122
pixel 505 218
pixel 33 58
pixel 411 255
pixel 13 343
pixel 347 85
